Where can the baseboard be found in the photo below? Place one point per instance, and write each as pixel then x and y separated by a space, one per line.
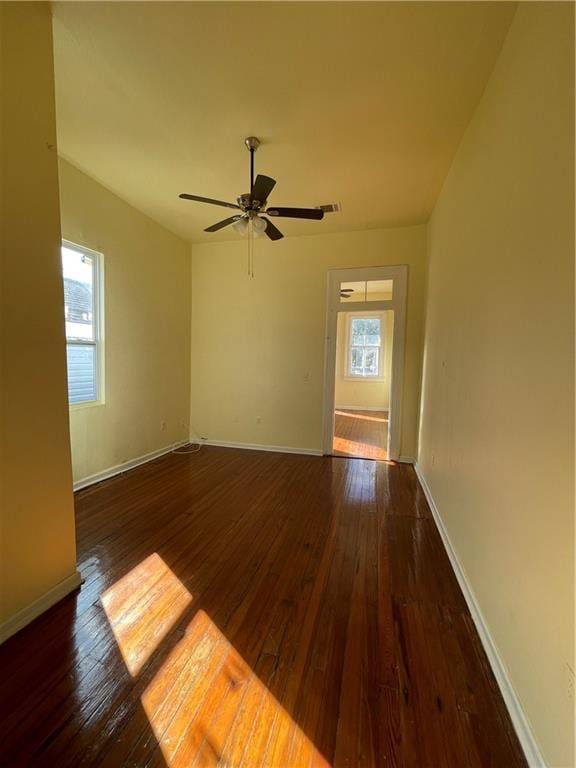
pixel 32 611
pixel 125 466
pixel 257 447
pixel 359 408
pixel 406 460
pixel 519 720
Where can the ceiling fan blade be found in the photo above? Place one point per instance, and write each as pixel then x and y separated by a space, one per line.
pixel 296 213
pixel 198 199
pixel 262 187
pixel 222 224
pixel 272 230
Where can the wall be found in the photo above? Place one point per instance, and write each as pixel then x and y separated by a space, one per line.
pixel 363 393
pixel 37 514
pixel 146 328
pixel 258 343
pixel 496 437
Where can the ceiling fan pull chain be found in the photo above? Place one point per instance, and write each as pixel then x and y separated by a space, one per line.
pixel 250 249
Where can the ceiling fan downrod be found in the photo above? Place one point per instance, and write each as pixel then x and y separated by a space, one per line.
pixel 252 143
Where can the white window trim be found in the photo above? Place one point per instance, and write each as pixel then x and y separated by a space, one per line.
pixel 98 323
pixel 349 376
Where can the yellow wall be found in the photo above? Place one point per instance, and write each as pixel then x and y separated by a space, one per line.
pixel 363 393
pixel 258 344
pixel 497 426
pixel 37 514
pixel 146 328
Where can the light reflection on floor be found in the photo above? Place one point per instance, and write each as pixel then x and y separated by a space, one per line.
pixel 205 704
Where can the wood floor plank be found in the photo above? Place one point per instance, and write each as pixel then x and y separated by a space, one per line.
pixel 254 609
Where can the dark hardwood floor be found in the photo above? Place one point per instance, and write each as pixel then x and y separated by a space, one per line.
pixel 360 433
pixel 255 609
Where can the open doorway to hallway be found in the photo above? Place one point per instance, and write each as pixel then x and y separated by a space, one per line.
pixel 362 383
pixel 365 322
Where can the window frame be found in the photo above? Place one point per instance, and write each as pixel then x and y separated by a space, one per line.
pixel 98 324
pixel 349 375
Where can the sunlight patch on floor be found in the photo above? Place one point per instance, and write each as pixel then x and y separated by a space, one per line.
pixel 361 416
pixel 205 704
pixel 142 608
pixel 362 450
pixel 207 707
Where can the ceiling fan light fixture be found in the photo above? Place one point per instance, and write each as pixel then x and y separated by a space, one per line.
pixel 241 226
pixel 258 225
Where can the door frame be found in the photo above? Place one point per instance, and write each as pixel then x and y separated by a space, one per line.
pixel 334 305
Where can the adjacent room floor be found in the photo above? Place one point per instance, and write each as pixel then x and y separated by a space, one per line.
pixel 360 433
pixel 256 609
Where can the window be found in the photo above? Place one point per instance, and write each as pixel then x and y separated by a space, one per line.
pixel 366 290
pixel 365 347
pixel 81 270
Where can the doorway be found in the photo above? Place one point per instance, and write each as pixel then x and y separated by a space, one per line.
pixel 364 361
pixel 364 342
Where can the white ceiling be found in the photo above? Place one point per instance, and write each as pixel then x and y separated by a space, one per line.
pixel 358 103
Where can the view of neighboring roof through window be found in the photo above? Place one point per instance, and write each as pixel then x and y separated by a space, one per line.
pixel 80 269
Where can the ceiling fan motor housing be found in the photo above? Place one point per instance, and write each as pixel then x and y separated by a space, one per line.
pixel 244 201
pixel 248 204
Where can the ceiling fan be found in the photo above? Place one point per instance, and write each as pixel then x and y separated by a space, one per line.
pixel 253 204
pixel 346 293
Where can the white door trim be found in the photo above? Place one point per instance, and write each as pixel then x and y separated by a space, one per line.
pixel 399 274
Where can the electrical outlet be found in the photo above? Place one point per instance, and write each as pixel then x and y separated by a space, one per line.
pixel 162 425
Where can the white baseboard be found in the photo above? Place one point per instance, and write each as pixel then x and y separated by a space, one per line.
pixel 119 468
pixel 520 722
pixel 32 611
pixel 257 447
pixel 283 449
pixel 359 408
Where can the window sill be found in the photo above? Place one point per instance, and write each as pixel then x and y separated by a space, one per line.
pixel 90 404
pixel 366 379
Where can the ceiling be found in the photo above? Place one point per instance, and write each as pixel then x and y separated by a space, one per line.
pixel 358 103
